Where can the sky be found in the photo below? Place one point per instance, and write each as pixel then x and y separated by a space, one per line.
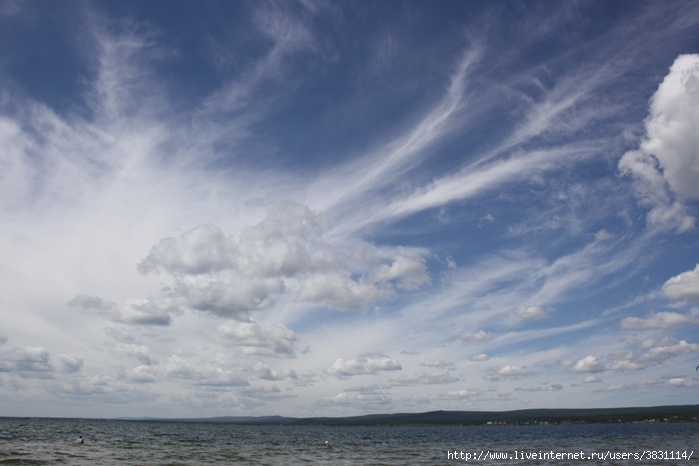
pixel 310 208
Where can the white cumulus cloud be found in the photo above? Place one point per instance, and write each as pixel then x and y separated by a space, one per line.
pixel 508 371
pixel 666 166
pixel 285 253
pixel 684 286
pixel 672 128
pixel 532 312
pixel 655 355
pixel 589 364
pixel 658 321
pixel 256 338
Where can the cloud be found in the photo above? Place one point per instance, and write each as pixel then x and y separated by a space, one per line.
pixel 259 339
pixel 11 7
pixel 266 373
pixel 592 379
pixel 509 372
pixel 652 383
pixel 256 396
pixel 532 312
pixel 388 270
pixel 370 363
pixel 134 312
pixel 513 371
pixel 407 268
pixel 655 355
pixel 556 387
pixel 225 295
pixel 352 184
pixel 140 352
pixel 661 353
pixel 368 388
pixel 341 291
pixel 652 192
pixel 437 363
pixel 603 235
pixel 287 33
pixel 361 400
pixel 288 37
pixel 141 374
pixel 206 374
pixel 672 128
pixel 683 382
pixel 667 162
pixel 658 321
pixel 70 364
pixel 434 378
pixel 94 304
pixel 464 394
pixel 671 382
pixel 365 397
pixel 627 365
pixel 473 181
pixel 25 360
pixel 652 342
pixel 285 243
pixel 684 287
pixel 589 364
pixel 177 367
pixel 201 250
pixel 480 335
pixel 283 254
pixel 480 357
pixel 105 389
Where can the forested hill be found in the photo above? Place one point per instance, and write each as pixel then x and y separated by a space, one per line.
pixel 685 413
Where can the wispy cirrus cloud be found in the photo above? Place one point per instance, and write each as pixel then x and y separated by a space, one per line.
pixel 377 170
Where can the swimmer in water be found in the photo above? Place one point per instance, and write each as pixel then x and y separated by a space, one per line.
pixel 327 444
pixel 79 441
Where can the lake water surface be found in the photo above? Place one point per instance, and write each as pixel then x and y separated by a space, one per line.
pixel 108 442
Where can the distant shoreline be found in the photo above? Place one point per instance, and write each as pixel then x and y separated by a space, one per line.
pixel 679 413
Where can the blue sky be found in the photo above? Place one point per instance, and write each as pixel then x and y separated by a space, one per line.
pixel 337 208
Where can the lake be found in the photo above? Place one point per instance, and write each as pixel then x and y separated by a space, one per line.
pixel 111 442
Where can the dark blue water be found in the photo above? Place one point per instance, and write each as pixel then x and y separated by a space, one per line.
pixel 52 441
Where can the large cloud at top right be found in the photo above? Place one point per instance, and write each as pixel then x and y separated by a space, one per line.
pixel 672 128
pixel 666 165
